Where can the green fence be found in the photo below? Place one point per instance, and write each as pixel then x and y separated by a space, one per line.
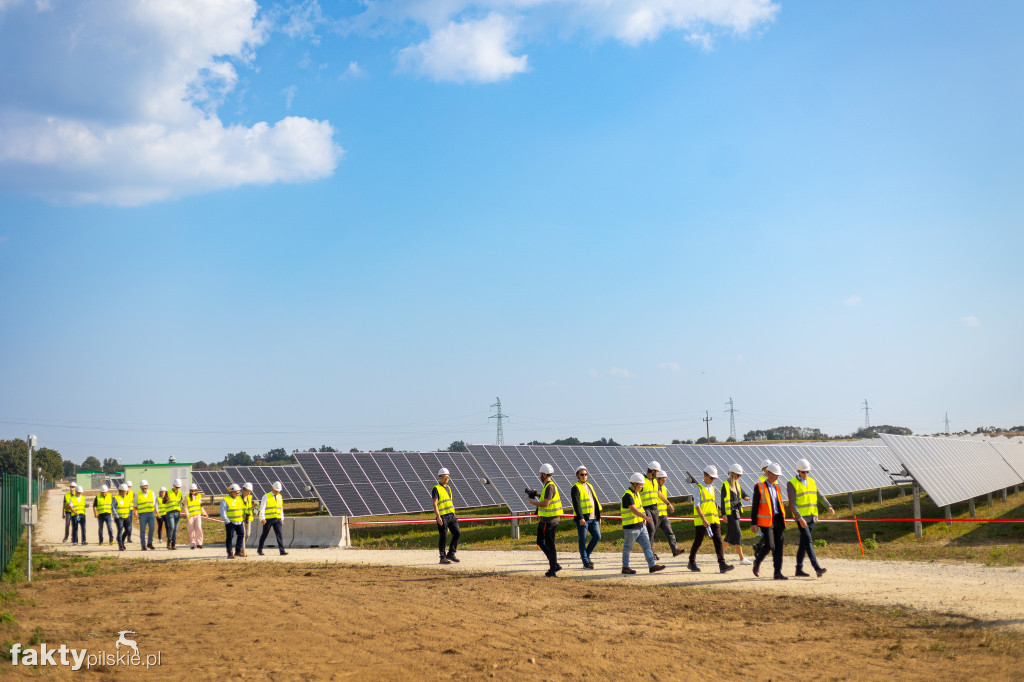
pixel 13 494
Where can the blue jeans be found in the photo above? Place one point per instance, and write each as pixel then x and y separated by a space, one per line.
pixel 105 519
pixel 146 519
pixel 593 526
pixel 806 546
pixel 631 536
pixel 171 523
pixel 124 530
pixel 78 524
pixel 236 530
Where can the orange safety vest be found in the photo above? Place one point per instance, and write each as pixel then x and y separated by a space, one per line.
pixel 764 504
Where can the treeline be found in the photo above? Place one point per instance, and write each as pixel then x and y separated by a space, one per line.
pixel 14 459
pixel 806 433
pixel 572 440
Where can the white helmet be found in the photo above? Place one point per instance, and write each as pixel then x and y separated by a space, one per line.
pixel 582 467
pixel 143 482
pixel 123 487
pixel 177 483
pixel 661 474
pixel 774 468
pixel 765 463
pixel 711 470
pixel 276 485
pixel 653 465
pixel 163 489
pixel 78 488
pixel 193 487
pixel 803 465
pixel 546 469
pixel 637 477
pixel 104 488
pixel 234 487
pixel 736 469
pixel 247 486
pixel 128 483
pixel 443 472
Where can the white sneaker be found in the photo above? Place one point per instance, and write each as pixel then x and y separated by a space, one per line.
pixel 746 562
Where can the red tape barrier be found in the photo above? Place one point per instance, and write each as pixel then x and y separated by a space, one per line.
pixel 524 517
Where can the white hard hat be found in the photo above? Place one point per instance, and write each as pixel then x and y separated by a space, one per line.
pixel 177 483
pixel 443 472
pixel 582 467
pixel 765 463
pixel 142 482
pixel 276 485
pixel 546 469
pixel 193 487
pixel 637 477
pixel 653 465
pixel 128 483
pixel 234 487
pixel 774 468
pixel 247 486
pixel 104 488
pixel 124 487
pixel 163 489
pixel 661 474
pixel 79 488
pixel 803 465
pixel 711 470
pixel 736 469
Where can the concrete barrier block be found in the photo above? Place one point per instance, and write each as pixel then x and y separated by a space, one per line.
pixel 304 532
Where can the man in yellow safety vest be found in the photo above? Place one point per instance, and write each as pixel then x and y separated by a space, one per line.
pixel 102 507
pixel 272 516
pixel 549 509
pixel 123 515
pixel 231 511
pixel 69 512
pixel 705 520
pixel 803 495
pixel 586 511
pixel 78 505
pixel 444 515
pixel 634 527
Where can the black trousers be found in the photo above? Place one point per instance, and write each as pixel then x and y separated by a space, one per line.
pixel 160 522
pixel 124 531
pixel 68 520
pixel 277 526
pixel 236 530
pixel 546 541
pixel 651 522
pixel 449 524
pixel 698 540
pixel 773 543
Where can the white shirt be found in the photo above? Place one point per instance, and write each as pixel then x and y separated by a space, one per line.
pixel 263 506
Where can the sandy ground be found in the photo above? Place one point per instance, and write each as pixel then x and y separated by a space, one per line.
pixel 989 594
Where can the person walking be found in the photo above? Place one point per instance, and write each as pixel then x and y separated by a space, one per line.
pixel 444 515
pixel 194 509
pixel 586 511
pixel 123 515
pixel 634 525
pixel 732 508
pixel 705 520
pixel 145 513
pixel 68 511
pixel 131 500
pixel 247 512
pixel 768 513
pixel 803 494
pixel 761 539
pixel 549 509
pixel 231 509
pixel 664 509
pixel 272 516
pixel 172 513
pixel 161 510
pixel 649 496
pixel 102 506
pixel 78 505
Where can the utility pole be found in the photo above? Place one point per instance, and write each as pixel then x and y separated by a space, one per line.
pixel 947 423
pixel 732 419
pixel 867 419
pixel 707 425
pixel 501 436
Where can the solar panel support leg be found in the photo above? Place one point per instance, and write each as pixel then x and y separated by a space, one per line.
pixel 970 507
pixel 1004 494
pixel 902 492
pixel 918 533
pixel 949 515
pixel 879 496
pixel 990 502
pixel 515 527
pixel 849 500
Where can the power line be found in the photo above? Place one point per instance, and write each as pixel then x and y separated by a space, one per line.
pixel 732 419
pixel 947 423
pixel 501 436
pixel 867 419
pixel 707 424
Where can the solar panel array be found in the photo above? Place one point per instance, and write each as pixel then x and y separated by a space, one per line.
pixel 113 483
pixel 380 483
pixel 953 470
pixel 293 480
pixel 212 482
pixel 1012 453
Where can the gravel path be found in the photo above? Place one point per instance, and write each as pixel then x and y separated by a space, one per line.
pixel 992 595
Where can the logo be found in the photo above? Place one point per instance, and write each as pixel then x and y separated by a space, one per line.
pixel 76 659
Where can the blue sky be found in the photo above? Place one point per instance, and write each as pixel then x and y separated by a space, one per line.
pixel 284 225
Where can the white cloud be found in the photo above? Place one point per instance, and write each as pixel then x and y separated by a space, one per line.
pixel 116 102
pixel 353 71
pixel 619 372
pixel 289 95
pixel 853 301
pixel 594 373
pixel 669 366
pixel 970 321
pixel 301 19
pixel 476 51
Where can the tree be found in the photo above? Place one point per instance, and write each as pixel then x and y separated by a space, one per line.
pixel 873 431
pixel 148 461
pixel 386 450
pixel 110 466
pixel 354 450
pixel 703 440
pixel 785 433
pixel 327 448
pixel 91 464
pixel 200 466
pixel 458 446
pixel 50 462
pixel 237 459
pixel 70 468
pixel 13 456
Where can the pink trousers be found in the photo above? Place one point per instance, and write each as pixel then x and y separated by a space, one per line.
pixel 195 530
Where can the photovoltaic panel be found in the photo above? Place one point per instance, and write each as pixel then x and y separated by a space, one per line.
pixel 113 483
pixel 1013 454
pixel 213 482
pixel 293 481
pixel 382 483
pixel 953 470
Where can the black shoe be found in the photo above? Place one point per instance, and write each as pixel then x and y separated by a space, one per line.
pixel 231 556
pixel 757 569
pixel 820 571
pixel 779 576
pixel 725 568
pixel 693 567
pixel 802 574
pixel 260 552
pixel 444 560
pixel 588 565
pixel 655 568
pixel 143 549
pixel 451 557
pixel 200 546
pixel 675 552
pixel 627 571
pixel 150 546
pixel 557 568
pixel 284 553
pixel 550 574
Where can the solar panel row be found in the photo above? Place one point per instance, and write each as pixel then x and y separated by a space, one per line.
pixel 381 483
pixel 293 480
pixel 212 482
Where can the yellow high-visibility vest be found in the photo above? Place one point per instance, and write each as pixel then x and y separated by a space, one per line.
pixel 662 506
pixel 123 506
pixel 195 504
pixel 103 502
pixel 173 500
pixel 236 507
pixel 706 493
pixel 628 517
pixel 246 507
pixel 588 498
pixel 555 508
pixel 649 493
pixel 78 502
pixel 806 496
pixel 145 502
pixel 274 506
pixel 444 500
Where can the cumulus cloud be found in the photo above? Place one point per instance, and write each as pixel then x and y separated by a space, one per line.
pixel 353 71
pixel 116 101
pixel 463 51
pixel 970 321
pixel 621 373
pixel 853 301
